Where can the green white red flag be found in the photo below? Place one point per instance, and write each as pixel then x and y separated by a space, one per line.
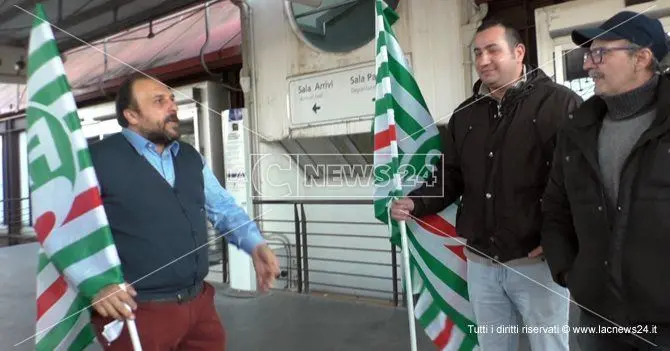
pixel 77 255
pixel 407 142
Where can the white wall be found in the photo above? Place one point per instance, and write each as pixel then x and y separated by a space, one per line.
pixel 428 31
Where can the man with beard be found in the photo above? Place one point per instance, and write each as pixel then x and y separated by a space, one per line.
pixel 607 203
pixel 158 195
pixel 497 155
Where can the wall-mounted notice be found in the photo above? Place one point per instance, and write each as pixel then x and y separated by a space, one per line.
pixel 332 95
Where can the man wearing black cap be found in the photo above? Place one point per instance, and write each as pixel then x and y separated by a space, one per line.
pixel 606 231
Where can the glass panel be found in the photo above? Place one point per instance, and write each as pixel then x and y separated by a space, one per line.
pixel 584 87
pixel 335 25
pixel 573 62
pixel 575 77
pixel 188 132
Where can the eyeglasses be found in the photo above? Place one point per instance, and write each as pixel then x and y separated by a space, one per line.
pixel 596 55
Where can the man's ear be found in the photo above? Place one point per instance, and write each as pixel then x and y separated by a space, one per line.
pixel 644 59
pixel 131 116
pixel 520 51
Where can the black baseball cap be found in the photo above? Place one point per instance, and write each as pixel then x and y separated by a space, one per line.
pixel 634 27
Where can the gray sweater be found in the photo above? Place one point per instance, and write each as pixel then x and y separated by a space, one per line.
pixel 628 116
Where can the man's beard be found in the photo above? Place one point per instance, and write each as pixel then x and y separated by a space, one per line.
pixel 595 74
pixel 163 136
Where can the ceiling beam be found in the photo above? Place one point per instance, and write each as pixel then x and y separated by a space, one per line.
pixel 93 12
pixel 13 11
pixel 167 7
pixel 17 43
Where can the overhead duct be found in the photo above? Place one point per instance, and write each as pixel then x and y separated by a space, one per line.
pixel 312 3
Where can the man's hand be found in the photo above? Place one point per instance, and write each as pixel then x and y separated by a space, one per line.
pixel 400 209
pixel 267 267
pixel 111 302
pixel 536 252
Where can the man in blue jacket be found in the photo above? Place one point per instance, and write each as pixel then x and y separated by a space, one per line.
pixel 158 194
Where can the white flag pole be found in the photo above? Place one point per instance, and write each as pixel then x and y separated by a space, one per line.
pixel 404 243
pixel 387 89
pixel 408 284
pixel 132 329
pixel 134 337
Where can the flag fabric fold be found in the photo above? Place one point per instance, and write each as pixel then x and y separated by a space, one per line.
pixel 407 142
pixel 77 255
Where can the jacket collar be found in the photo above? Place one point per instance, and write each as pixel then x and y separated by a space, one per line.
pixel 530 77
pixel 484 90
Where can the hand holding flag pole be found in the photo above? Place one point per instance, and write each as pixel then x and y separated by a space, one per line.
pixel 112 330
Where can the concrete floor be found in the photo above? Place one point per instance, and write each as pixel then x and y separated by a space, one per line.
pixel 279 321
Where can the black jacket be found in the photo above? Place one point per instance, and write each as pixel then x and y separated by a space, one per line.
pixel 497 157
pixel 617 259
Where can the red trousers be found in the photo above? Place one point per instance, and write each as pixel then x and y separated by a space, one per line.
pixel 166 326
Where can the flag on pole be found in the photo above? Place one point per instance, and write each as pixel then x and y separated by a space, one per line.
pixel 407 142
pixel 77 255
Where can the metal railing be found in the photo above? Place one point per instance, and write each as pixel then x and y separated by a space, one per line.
pixel 16 222
pixel 218 255
pixel 308 246
pixel 305 267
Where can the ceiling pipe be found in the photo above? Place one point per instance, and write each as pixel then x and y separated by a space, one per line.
pixel 204 45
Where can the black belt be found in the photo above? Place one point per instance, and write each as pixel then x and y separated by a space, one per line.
pixel 180 296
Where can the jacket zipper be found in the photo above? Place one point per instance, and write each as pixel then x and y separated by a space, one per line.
pixel 605 204
pixel 518 96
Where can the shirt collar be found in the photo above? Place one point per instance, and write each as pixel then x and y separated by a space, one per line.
pixel 141 144
pixel 484 90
